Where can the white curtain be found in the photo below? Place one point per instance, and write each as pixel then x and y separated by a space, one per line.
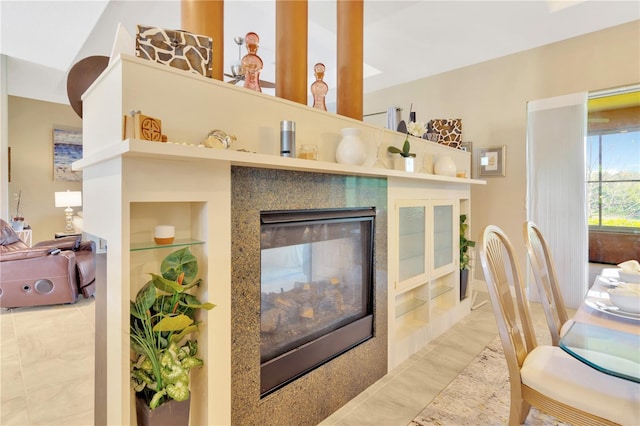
pixel 556 186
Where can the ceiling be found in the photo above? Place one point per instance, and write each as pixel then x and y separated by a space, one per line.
pixel 403 40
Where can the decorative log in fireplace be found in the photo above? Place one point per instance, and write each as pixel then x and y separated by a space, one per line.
pixel 316 289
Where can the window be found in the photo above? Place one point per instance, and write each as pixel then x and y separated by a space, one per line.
pixel 613 168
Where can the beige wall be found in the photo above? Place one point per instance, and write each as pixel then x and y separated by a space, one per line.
pixel 31 125
pixel 491 98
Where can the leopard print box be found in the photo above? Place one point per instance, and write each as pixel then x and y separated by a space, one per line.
pixel 448 131
pixel 178 49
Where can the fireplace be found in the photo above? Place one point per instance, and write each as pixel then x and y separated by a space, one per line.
pixel 312 394
pixel 316 289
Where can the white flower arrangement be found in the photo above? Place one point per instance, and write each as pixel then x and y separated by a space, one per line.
pixel 417 128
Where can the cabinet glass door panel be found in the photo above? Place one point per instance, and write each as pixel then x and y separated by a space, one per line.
pixel 412 242
pixel 442 236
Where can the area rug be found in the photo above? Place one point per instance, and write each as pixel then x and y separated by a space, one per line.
pixel 479 395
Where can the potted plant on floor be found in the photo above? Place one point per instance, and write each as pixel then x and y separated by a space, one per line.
pixel 465 258
pixel 162 318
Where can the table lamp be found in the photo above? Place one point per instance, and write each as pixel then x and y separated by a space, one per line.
pixel 68 199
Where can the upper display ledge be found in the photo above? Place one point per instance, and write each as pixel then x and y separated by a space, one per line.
pixel 185 109
pixel 182 152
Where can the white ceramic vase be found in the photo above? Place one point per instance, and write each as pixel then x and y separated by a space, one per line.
pixel 445 166
pixel 351 149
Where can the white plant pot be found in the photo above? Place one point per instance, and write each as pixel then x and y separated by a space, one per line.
pixel 17 225
pixel 407 164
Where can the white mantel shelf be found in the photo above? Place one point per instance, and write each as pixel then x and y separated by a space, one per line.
pixel 184 152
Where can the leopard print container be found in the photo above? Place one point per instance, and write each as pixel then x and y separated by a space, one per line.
pixel 448 131
pixel 178 49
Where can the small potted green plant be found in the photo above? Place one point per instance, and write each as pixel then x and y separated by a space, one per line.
pixel 162 319
pixel 465 257
pixel 407 158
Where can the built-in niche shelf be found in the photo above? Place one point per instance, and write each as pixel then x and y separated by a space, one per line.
pixel 408 330
pixel 145 257
pixel 412 316
pixel 408 306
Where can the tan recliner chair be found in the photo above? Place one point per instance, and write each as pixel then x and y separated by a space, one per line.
pixel 49 273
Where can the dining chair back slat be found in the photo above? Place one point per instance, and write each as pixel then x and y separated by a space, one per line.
pixel 546 280
pixel 501 274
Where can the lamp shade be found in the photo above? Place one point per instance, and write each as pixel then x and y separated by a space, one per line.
pixel 68 198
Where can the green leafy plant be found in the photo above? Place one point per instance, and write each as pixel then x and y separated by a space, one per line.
pixel 464 243
pixel 405 152
pixel 161 317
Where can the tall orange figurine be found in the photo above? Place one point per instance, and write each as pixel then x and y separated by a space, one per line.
pixel 251 63
pixel 319 88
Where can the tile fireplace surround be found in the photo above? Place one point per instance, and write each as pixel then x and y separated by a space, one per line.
pixel 316 395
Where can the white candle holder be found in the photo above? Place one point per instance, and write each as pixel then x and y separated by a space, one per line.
pixel 164 234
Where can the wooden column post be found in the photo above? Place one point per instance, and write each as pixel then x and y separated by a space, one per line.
pixel 206 17
pixel 350 58
pixel 291 50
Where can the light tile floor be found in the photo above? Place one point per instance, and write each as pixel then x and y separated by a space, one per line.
pixel 47 364
pixel 405 391
pixel 400 395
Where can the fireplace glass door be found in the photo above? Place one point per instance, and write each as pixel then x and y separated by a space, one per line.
pixel 316 288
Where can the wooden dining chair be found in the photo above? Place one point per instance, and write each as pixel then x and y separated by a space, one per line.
pixel 544 273
pixel 546 376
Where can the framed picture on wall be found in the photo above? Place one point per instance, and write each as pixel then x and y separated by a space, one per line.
pixel 67 148
pixel 491 161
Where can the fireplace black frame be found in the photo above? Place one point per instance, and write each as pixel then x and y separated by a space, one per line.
pixel 284 369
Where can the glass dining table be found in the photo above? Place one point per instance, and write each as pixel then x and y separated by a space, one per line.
pixel 611 351
pixel 602 338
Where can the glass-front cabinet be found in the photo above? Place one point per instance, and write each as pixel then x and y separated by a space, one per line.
pixel 426 279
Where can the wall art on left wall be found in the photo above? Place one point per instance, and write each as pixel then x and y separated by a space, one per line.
pixel 67 148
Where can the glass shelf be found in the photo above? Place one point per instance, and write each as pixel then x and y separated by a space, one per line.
pixel 408 306
pixel 439 291
pixel 151 245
